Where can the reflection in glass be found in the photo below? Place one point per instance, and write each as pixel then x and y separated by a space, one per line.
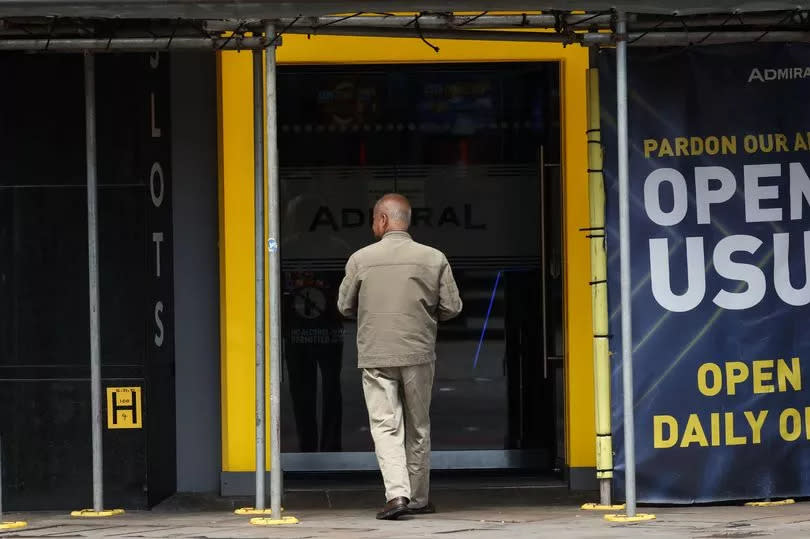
pixel 313 332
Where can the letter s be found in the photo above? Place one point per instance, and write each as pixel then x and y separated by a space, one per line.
pixel 159 324
pixel 747 273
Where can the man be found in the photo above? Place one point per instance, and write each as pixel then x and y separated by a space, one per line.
pixel 399 290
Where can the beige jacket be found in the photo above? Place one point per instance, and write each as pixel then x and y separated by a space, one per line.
pixel 399 290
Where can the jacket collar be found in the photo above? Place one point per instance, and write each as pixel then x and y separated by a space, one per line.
pixel 396 234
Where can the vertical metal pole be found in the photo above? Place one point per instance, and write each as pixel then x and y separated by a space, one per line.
pixel 92 249
pixel 259 233
pixel 274 260
pixel 624 251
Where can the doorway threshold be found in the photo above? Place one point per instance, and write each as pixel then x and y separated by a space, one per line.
pixel 450 490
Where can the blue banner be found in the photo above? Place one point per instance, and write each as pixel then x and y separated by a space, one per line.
pixel 720 254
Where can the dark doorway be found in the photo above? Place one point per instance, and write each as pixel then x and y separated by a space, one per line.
pixel 476 148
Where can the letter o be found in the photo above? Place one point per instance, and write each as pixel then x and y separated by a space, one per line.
pixel 157 170
pixel 652 198
pixel 717 379
pixel 750 144
pixel 790 415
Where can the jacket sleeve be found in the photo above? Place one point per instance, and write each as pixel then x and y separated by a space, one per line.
pixel 349 291
pixel 449 300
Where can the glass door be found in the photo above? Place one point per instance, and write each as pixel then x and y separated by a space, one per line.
pixel 463 143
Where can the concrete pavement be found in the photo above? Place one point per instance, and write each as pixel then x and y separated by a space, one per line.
pixel 502 521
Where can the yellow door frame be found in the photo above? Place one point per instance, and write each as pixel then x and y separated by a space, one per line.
pixel 236 219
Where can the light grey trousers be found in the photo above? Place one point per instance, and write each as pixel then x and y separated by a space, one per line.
pixel 398 402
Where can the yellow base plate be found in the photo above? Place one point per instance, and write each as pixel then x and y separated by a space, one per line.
pixel 776 503
pixel 597 507
pixel 254 511
pixel 89 513
pixel 640 517
pixel 258 521
pixel 13 525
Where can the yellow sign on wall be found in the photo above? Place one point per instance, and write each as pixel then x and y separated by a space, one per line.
pixel 124 408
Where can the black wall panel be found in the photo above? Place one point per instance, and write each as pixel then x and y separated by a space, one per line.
pixel 44 319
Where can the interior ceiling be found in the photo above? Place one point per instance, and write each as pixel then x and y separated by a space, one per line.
pixel 268 9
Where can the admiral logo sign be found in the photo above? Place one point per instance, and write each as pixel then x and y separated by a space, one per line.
pixel 782 73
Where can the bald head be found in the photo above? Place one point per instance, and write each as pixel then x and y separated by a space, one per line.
pixel 396 207
pixel 391 213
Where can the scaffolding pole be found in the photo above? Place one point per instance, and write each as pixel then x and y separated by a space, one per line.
pixel 94 295
pixel 445 21
pixel 274 259
pixel 92 250
pixel 274 276
pixel 239 43
pixel 435 33
pixel 624 252
pixel 258 235
pixel 134 44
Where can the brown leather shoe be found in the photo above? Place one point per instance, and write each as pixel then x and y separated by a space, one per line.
pixel 427 509
pixel 394 509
